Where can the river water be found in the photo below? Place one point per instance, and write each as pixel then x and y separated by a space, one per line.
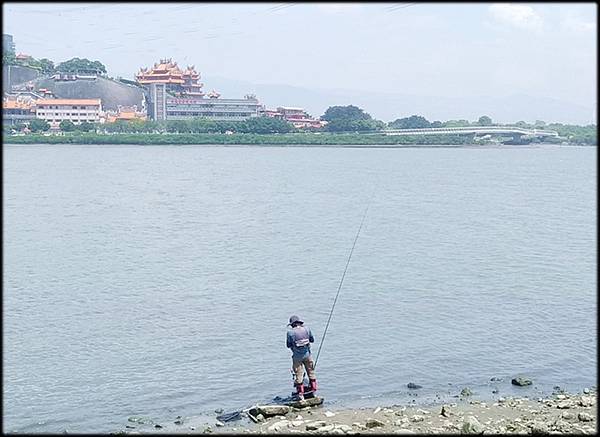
pixel 158 280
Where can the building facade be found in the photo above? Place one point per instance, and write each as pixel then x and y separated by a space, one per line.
pixel 298 117
pixel 75 110
pixel 17 110
pixel 162 106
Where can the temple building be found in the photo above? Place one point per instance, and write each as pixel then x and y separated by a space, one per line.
pixel 176 94
pixel 177 81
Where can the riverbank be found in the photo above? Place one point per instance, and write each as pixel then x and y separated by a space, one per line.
pixel 556 414
pixel 304 139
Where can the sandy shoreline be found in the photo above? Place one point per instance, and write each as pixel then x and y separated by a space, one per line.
pixel 556 414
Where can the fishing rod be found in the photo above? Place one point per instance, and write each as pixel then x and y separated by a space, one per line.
pixel 343 276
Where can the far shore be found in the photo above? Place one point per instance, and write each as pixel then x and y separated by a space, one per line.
pixel 560 413
pixel 290 140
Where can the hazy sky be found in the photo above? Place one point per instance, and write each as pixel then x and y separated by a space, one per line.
pixel 433 49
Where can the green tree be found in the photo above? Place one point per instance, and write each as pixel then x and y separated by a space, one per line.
pixel 47 66
pixel 9 58
pixel 349 112
pixel 484 120
pixel 77 65
pixel 456 123
pixel 38 125
pixel 86 126
pixel 540 124
pixel 67 126
pixel 437 123
pixel 266 125
pixel 412 122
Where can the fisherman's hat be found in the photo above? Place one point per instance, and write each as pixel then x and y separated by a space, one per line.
pixel 295 319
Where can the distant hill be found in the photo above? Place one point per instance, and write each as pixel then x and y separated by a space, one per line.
pixel 390 106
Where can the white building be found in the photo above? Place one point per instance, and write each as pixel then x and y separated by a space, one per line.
pixel 76 110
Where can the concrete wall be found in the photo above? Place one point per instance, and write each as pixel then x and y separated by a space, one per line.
pixel 16 74
pixel 112 93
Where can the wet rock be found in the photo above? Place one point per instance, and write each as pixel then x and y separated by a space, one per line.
pixel 496 379
pixel 129 426
pixel 207 430
pixel 344 428
pixel 586 390
pixel 586 401
pixel 377 410
pixel 471 426
pixel 219 423
pixel 413 386
pixel 312 426
pixel 325 428
pixel 157 426
pixel 585 417
pixel 521 381
pixel 295 423
pixel 495 391
pixel 373 423
pixel 178 421
pixel 417 418
pixel 329 414
pixel 466 392
pixel 446 411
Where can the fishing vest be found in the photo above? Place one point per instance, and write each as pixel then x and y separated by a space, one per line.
pixel 300 336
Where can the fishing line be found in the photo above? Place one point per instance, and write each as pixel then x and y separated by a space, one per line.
pixel 344 275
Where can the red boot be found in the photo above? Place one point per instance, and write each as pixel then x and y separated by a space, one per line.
pixel 313 385
pixel 300 391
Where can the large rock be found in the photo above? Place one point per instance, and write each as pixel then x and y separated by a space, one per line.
pixel 521 381
pixel 373 423
pixel 272 410
pixel 585 417
pixel 586 401
pixel 472 426
pixel 277 426
pixel 539 428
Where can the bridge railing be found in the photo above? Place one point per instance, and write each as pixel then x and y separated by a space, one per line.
pixel 473 129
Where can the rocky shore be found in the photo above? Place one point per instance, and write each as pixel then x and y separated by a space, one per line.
pixel 559 413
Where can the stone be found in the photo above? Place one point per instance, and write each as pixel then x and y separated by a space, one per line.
pixel 471 426
pixel 586 401
pixel 273 410
pixel 586 390
pixel 466 392
pixel 312 426
pixel 178 421
pixel 260 418
pixel 446 411
pixel 297 423
pixel 563 405
pixel 377 410
pixel 373 423
pixel 219 423
pixel 495 391
pixel 400 412
pixel 404 431
pixel 413 386
pixel 157 426
pixel 417 418
pixel 343 427
pixel 567 415
pixel 329 414
pixel 585 417
pixel 325 428
pixel 521 381
pixel 277 426
pixel 219 410
pixel 538 428
pixel 421 411
pixel 401 422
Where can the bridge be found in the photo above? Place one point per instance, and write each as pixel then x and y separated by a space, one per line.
pixel 476 130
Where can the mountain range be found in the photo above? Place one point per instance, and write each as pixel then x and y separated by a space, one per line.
pixel 390 106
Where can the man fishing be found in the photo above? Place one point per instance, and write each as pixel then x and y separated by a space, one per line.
pixel 298 340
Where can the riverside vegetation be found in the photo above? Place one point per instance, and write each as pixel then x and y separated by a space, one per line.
pixel 347 125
